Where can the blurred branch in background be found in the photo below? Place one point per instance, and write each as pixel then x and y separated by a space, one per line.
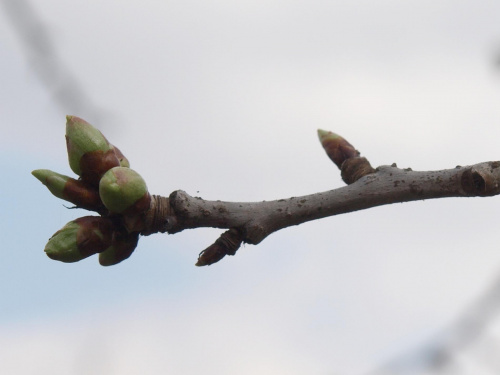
pixel 469 343
pixel 43 59
pixel 496 57
pixel 468 347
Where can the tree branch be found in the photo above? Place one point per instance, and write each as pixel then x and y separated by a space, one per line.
pixel 109 187
pixel 256 220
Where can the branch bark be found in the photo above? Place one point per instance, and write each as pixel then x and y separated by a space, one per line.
pixel 254 221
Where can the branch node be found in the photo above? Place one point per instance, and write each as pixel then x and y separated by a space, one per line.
pixel 481 180
pixel 355 168
pixel 160 218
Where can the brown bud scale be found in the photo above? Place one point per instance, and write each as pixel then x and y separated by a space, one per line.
pixel 123 246
pixel 355 168
pixel 94 164
pixel 95 234
pixel 82 195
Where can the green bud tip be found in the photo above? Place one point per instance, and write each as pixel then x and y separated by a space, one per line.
pixel 120 188
pixel 75 191
pixel 54 181
pixel 322 134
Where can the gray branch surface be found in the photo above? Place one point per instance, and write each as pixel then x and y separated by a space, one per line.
pixel 254 221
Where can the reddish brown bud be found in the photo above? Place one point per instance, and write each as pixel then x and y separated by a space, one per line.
pixel 123 246
pixel 211 255
pixel 227 244
pixel 336 147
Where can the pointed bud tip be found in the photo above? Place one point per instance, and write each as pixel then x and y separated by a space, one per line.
pixel 40 174
pixel 72 120
pixel 321 132
pixel 54 181
pixel 325 133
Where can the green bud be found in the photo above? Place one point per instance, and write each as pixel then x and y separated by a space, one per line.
pixel 123 246
pixel 124 191
pixel 81 137
pixel 90 154
pixel 77 192
pixel 80 239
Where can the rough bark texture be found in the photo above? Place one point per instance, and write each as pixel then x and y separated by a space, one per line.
pixel 254 221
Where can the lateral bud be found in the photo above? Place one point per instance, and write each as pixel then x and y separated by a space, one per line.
pixel 227 244
pixel 123 246
pixel 336 147
pixel 80 239
pixel 77 192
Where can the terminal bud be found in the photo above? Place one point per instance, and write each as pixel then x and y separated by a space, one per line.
pixel 336 147
pixel 90 154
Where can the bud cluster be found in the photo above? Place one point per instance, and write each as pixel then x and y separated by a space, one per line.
pixel 106 185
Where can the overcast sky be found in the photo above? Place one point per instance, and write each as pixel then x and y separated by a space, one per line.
pixel 222 99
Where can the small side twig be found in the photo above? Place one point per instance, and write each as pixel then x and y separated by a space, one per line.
pixel 227 244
